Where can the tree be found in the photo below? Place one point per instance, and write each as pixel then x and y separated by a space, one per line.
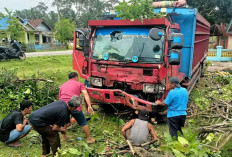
pixel 136 9
pixel 15 28
pixel 64 30
pixel 213 10
pixel 39 12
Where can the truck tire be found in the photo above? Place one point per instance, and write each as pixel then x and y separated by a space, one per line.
pixel 202 74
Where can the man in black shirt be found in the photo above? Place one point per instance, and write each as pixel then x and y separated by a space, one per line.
pixel 51 119
pixel 14 126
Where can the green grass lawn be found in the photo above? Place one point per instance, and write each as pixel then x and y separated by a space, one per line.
pixel 60 66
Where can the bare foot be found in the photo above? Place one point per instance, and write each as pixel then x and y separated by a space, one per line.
pixel 65 137
pixel 47 154
pixel 90 140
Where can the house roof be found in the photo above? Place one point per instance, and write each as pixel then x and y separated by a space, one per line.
pixel 3 24
pixel 37 22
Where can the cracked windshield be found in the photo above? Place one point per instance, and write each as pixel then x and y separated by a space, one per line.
pixel 122 46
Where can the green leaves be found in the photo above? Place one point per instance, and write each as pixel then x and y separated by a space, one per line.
pixel 183 141
pixel 15 28
pixel 186 144
pixel 202 102
pixel 74 151
pixel 14 91
pixel 64 30
pixel 177 153
pixel 136 10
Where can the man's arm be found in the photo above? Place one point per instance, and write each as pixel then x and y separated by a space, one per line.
pixel 152 131
pixel 88 101
pixel 20 127
pixel 59 129
pixel 160 103
pixel 127 126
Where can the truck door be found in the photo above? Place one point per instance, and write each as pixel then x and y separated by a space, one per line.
pixel 81 54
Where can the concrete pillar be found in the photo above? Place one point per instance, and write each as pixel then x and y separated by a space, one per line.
pixel 219 53
pixel 26 38
pixel 40 38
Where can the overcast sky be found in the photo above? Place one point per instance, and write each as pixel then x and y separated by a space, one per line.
pixel 13 5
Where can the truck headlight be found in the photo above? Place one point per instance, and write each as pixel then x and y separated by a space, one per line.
pixel 153 88
pixel 96 81
pixel 148 88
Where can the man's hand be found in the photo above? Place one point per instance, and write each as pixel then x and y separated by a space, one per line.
pixel 158 102
pixel 163 113
pixel 90 110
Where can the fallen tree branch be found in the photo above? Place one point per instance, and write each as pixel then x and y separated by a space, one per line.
pixel 119 152
pixel 123 113
pixel 224 141
pixel 201 112
pixel 34 79
pixel 149 142
pixel 208 130
pixel 131 148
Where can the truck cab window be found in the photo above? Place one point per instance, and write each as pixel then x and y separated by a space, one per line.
pixel 77 47
pixel 124 45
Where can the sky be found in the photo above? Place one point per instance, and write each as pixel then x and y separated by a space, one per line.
pixel 13 5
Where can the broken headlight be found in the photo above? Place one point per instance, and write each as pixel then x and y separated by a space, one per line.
pixel 153 88
pixel 96 81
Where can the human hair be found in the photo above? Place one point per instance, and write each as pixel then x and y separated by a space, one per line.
pixel 143 115
pixel 72 75
pixel 75 101
pixel 25 104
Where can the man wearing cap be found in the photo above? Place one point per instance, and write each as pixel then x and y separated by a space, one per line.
pixel 176 101
pixel 138 130
pixel 50 119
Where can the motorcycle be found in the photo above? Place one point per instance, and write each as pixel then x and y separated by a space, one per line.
pixel 14 51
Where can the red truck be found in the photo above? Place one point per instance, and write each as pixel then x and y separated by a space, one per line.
pixel 129 63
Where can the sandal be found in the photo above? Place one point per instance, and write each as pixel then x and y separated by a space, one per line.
pixel 16 144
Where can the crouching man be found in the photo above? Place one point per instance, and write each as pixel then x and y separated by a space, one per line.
pixel 139 131
pixel 50 119
pixel 14 126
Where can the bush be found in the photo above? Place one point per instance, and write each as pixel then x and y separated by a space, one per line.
pixel 13 90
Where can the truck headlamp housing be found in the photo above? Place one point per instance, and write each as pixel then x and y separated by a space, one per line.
pixel 96 81
pixel 153 88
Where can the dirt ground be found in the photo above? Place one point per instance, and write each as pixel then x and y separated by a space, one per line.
pixel 220 66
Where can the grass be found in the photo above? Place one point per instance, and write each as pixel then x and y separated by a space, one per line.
pixel 60 66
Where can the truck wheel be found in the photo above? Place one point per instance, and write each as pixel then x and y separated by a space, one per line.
pixel 202 71
pixel 22 56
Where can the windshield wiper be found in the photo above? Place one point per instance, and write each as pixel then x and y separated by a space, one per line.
pixel 141 50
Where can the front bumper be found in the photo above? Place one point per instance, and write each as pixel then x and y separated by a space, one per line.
pixel 116 96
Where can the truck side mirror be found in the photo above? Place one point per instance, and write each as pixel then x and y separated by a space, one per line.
pixel 174 57
pixel 156 34
pixel 176 41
